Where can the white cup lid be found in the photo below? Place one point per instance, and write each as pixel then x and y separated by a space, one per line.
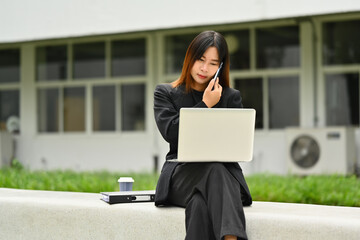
pixel 126 179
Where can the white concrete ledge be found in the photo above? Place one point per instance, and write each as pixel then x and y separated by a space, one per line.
pixel 26 214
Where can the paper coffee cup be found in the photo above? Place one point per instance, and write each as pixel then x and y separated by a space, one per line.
pixel 125 183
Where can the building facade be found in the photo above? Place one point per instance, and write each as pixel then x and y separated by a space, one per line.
pixel 84 101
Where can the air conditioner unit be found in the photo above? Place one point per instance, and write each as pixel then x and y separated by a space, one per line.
pixel 321 150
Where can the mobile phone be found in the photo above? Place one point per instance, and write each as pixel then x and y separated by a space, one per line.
pixel 218 71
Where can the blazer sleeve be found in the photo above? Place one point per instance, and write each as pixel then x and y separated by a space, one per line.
pixel 166 111
pixel 235 100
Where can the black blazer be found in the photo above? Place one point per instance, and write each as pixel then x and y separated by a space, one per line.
pixel 167 104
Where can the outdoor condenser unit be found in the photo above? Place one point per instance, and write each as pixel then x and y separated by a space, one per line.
pixel 321 150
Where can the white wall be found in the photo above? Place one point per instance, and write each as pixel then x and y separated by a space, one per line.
pixel 269 154
pixel 132 152
pixel 23 20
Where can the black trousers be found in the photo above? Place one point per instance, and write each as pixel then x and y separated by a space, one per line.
pixel 212 200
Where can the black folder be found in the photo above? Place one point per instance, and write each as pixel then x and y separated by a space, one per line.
pixel 128 196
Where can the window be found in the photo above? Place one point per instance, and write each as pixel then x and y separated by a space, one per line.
pixel 104 108
pixel 51 63
pixel 341 42
pixel 282 113
pixel 70 117
pixel 117 105
pixel 252 97
pixel 48 110
pixel 133 107
pixel 89 60
pixel 277 47
pixel 74 109
pixel 283 102
pixel 10 66
pixel 128 57
pixel 342 99
pixel 239 48
pixel 341 62
pixel 175 47
pixel 9 98
pixel 9 106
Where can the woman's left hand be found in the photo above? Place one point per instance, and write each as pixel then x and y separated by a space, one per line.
pixel 212 93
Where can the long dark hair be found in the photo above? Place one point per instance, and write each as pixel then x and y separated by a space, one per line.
pixel 196 50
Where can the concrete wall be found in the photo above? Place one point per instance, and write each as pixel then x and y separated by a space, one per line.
pixel 27 214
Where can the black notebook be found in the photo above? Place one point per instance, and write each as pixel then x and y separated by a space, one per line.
pixel 128 196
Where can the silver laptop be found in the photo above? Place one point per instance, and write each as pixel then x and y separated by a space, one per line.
pixel 216 135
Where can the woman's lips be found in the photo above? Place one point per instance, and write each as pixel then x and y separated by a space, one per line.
pixel 201 76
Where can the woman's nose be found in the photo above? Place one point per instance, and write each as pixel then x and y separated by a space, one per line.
pixel 204 67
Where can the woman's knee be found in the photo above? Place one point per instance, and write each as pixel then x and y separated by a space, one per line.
pixel 197 206
pixel 196 201
pixel 220 177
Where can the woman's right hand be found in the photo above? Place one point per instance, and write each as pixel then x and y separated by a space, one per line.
pixel 212 96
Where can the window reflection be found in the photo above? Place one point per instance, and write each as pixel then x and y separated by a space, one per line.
pixel 252 96
pixel 51 63
pixel 104 108
pixel 9 106
pixel 342 99
pixel 48 110
pixel 9 65
pixel 341 42
pixel 128 57
pixel 89 60
pixel 277 47
pixel 284 102
pixel 74 109
pixel 133 107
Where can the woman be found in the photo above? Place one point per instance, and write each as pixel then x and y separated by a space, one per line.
pixel 212 193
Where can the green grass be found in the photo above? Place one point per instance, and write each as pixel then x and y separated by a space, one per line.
pixel 326 190
pixel 72 181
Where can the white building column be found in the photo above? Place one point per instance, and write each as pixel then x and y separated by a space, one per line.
pixel 24 148
pixel 307 76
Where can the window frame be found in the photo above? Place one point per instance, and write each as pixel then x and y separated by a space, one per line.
pixel 89 83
